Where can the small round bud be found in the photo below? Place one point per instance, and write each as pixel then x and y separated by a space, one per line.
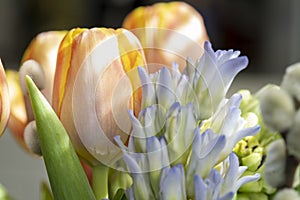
pixel 291 80
pixel 31 138
pixel 274 172
pixel 293 137
pixel 277 109
pixel 35 71
pixel 287 194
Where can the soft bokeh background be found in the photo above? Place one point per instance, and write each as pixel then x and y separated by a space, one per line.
pixel 267 31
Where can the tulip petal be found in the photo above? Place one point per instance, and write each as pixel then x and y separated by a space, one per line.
pixel 169 32
pixel 96 82
pixel 4 100
pixel 43 49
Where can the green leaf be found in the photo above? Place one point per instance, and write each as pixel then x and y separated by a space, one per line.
pixel 66 175
pixel 46 193
pixel 4 194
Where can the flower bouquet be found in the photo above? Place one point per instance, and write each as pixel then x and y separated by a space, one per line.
pixel 142 112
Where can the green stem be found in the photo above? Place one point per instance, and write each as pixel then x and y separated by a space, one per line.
pixel 100 181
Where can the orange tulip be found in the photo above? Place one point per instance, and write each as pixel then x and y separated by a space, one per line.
pixel 168 32
pixel 95 75
pixel 4 100
pixel 43 50
pixel 18 118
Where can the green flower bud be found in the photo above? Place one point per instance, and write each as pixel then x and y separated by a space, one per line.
pixel 291 80
pixel 287 194
pixel 277 109
pixel 252 161
pixel 274 172
pixel 252 196
pixel 293 137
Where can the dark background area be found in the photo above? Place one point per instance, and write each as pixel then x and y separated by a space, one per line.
pixel 267 31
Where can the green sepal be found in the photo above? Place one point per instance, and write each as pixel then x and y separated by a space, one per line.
pixel 45 192
pixel 66 175
pixel 120 195
pixel 4 194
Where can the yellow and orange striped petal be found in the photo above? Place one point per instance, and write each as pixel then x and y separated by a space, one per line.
pixel 91 65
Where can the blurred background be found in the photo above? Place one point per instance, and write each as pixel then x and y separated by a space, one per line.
pixel 267 31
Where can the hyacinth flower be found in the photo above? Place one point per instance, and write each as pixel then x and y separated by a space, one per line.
pixel 168 32
pixel 176 152
pixel 39 61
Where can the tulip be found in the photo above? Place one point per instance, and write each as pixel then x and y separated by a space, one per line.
pixel 18 118
pixel 93 89
pixel 42 51
pixel 169 32
pixel 4 100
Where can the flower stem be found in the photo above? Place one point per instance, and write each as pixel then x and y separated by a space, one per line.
pixel 100 181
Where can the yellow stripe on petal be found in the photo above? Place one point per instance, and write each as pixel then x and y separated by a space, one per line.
pixel 132 56
pixel 62 67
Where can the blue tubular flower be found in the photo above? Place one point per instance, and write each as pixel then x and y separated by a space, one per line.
pixel 222 185
pixel 181 142
pixel 172 184
pixel 211 77
pixel 204 83
pixel 205 151
pixel 227 121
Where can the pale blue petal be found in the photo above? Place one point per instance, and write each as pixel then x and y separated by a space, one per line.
pixel 165 88
pixel 235 138
pixel 173 184
pixel 176 74
pixel 148 91
pixel 231 68
pixel 228 196
pixel 246 179
pixel 200 188
pixel 141 186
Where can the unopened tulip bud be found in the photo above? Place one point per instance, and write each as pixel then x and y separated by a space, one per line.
pixel 291 81
pixel 274 172
pixel 277 109
pixel 287 194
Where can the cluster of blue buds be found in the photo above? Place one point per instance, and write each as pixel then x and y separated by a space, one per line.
pixel 181 143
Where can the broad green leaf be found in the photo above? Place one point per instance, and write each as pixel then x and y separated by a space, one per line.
pixel 66 175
